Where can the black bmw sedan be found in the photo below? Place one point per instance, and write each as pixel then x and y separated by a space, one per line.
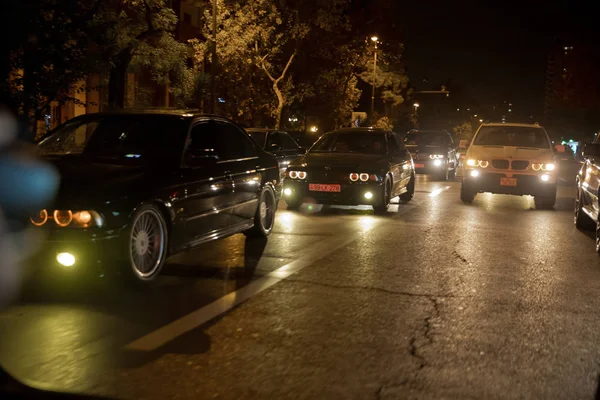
pixel 356 166
pixel 138 187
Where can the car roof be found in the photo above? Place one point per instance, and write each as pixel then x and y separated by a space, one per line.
pixel 184 113
pixel 524 125
pixel 265 130
pixel 361 130
pixel 428 131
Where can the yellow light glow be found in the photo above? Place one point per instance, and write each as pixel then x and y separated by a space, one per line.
pixel 471 163
pixel 85 217
pixel 368 195
pixel 549 167
pixel 374 38
pixel 287 191
pixel 545 178
pixel 475 173
pixel 66 259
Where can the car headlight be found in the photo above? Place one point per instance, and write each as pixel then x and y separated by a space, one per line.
pixel 69 218
pixel 478 163
pixel 436 156
pixel 297 174
pixel 543 167
pixel 354 177
pixel 364 177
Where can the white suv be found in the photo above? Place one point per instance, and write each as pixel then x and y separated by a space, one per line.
pixel 513 159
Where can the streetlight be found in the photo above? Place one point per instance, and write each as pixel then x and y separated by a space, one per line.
pixel 374 39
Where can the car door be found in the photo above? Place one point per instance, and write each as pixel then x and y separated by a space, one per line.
pixel 275 147
pixel 397 163
pixel 591 174
pixel 208 197
pixel 240 159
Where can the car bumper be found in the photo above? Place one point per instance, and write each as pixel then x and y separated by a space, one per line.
pixel 88 247
pixel 349 194
pixel 526 184
pixel 429 166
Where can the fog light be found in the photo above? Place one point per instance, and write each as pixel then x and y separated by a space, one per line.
pixel 474 173
pixel 545 178
pixel 437 163
pixel 368 195
pixel 66 259
pixel 287 191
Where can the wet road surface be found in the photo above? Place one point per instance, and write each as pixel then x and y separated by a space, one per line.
pixel 435 299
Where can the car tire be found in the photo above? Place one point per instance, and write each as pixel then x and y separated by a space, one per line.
pixel 545 202
pixel 147 244
pixel 382 205
pixel 264 219
pixel 580 218
pixel 410 190
pixel 466 195
pixel 598 236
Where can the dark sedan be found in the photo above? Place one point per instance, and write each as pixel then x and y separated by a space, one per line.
pixel 280 144
pixel 137 187
pixel 360 166
pixel 433 151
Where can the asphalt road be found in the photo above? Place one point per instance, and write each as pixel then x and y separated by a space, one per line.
pixel 436 299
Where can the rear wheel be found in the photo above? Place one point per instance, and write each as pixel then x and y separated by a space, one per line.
pixel 580 218
pixel 467 195
pixel 410 191
pixel 545 202
pixel 385 199
pixel 265 214
pixel 147 244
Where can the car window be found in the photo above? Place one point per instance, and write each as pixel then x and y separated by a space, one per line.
pixel 350 142
pixel 225 139
pixel 272 139
pixel 429 139
pixel 287 143
pixel 259 137
pixel 392 144
pixel 519 136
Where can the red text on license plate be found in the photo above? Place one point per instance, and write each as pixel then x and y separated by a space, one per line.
pixel 317 187
pixel 508 181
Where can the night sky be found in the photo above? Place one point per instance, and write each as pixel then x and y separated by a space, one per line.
pixel 492 49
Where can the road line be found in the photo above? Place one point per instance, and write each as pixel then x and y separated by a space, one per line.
pixel 437 192
pixel 189 322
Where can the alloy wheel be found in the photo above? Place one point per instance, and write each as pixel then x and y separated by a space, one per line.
pixel 267 211
pixel 147 244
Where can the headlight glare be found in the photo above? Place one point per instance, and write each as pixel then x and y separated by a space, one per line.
pixel 436 156
pixel 364 177
pixel 293 174
pixel 63 217
pixel 40 218
pixel 354 177
pixel 301 174
pixel 548 167
pixel 472 163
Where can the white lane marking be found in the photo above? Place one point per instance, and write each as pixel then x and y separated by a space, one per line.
pixel 196 318
pixel 169 332
pixel 437 192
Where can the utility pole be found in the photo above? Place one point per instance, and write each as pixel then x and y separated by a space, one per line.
pixel 372 116
pixel 213 64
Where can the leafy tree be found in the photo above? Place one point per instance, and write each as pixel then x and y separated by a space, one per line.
pixel 139 34
pixel 463 131
pixel 384 123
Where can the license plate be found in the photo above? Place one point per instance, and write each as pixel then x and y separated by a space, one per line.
pixel 419 165
pixel 508 181
pixel 316 187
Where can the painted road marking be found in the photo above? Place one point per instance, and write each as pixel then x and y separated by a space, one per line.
pixel 189 322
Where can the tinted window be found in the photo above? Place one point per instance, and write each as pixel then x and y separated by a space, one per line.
pixel 519 136
pixel 392 144
pixel 117 136
pixel 432 139
pixel 273 139
pixel 287 142
pixel 226 140
pixel 351 142
pixel 259 137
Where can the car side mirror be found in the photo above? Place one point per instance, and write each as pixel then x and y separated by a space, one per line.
pixel 464 143
pixel 274 148
pixel 201 158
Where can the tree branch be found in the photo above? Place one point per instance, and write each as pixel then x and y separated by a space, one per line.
pixel 287 66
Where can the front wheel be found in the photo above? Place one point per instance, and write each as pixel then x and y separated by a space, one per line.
pixel 467 195
pixel 265 214
pixel 410 191
pixel 147 244
pixel 385 200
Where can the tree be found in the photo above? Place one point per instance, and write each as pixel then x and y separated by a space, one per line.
pixel 463 131
pixel 134 34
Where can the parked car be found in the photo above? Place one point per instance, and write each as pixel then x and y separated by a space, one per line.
pixel 359 166
pixel 280 144
pixel 510 158
pixel 588 183
pixel 433 152
pixel 139 186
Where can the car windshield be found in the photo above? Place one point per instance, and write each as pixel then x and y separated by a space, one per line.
pixel 117 137
pixel 518 136
pixel 259 137
pixel 351 142
pixel 430 139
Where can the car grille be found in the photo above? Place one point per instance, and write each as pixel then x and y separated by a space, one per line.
pixel 322 176
pixel 500 164
pixel 519 165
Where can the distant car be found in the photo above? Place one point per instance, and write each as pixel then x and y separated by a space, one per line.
pixel 137 187
pixel 511 158
pixel 358 166
pixel 588 186
pixel 433 152
pixel 280 144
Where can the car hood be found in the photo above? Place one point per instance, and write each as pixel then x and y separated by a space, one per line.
pixel 85 184
pixel 510 152
pixel 340 161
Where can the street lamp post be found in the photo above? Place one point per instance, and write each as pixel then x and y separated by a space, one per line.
pixel 213 64
pixel 416 108
pixel 374 39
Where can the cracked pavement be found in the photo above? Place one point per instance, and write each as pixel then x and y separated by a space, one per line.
pixel 434 300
